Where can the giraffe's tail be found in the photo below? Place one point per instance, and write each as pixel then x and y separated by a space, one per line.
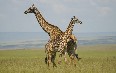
pixel 45 60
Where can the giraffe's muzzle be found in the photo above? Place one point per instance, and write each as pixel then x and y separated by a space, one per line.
pixel 80 22
pixel 25 12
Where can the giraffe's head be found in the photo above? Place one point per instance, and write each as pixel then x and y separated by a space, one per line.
pixel 76 20
pixel 31 9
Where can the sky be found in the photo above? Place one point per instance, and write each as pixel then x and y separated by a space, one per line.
pixel 96 15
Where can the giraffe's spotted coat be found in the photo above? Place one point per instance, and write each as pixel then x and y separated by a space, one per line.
pixel 58 39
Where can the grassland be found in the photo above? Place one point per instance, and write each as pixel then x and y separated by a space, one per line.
pixel 95 59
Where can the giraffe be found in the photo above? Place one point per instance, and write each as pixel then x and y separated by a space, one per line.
pixel 53 31
pixel 66 38
pixel 47 27
pixel 61 43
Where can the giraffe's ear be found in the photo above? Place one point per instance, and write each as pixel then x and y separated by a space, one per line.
pixel 74 17
pixel 33 5
pixel 71 18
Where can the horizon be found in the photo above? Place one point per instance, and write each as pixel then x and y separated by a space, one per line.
pixel 14 40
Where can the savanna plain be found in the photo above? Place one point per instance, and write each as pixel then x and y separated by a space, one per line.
pixel 95 59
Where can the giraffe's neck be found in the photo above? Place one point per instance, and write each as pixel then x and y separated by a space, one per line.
pixel 43 23
pixel 69 28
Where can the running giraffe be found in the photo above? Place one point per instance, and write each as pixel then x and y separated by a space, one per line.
pixel 61 42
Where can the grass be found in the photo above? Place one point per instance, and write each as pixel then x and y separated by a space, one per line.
pixel 95 59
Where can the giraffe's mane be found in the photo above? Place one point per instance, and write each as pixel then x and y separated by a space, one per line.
pixel 49 23
pixel 57 27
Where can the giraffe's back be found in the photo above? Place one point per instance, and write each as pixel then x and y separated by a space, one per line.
pixel 55 32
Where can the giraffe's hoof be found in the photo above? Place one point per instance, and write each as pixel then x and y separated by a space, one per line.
pixel 79 59
pixel 74 65
pixel 55 66
pixel 59 62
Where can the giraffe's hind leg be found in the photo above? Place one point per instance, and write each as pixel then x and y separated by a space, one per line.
pixel 53 59
pixel 73 59
pixel 77 57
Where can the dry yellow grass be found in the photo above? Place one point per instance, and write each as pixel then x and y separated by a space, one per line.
pixel 95 59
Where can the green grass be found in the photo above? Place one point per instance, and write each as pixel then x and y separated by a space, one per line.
pixel 95 59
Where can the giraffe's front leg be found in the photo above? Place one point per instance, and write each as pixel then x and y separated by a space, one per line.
pixel 63 53
pixel 60 56
pixel 65 59
pixel 48 59
pixel 48 48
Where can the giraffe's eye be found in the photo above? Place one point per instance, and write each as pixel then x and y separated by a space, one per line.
pixel 76 20
pixel 31 8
